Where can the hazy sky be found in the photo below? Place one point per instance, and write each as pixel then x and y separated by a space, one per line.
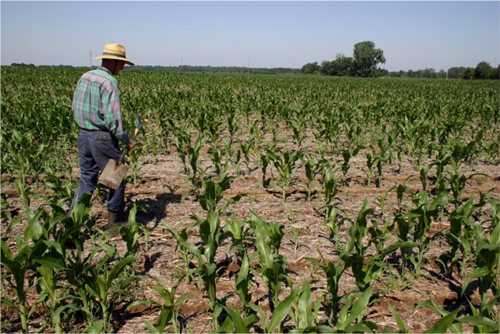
pixel 413 35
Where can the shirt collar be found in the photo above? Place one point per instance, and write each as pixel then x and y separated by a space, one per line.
pixel 102 68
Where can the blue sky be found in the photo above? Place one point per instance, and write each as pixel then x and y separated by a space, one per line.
pixel 413 35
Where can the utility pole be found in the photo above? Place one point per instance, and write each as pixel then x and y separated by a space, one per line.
pixel 248 66
pixel 182 64
pixel 447 71
pixel 90 56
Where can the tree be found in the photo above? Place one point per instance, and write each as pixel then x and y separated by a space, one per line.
pixel 311 68
pixel 468 74
pixel 495 73
pixel 366 58
pixel 328 68
pixel 483 70
pixel 429 73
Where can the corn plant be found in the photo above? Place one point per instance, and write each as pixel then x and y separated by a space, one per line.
pixel 130 233
pixel 193 153
pixel 447 322
pixel 400 190
pixel 487 270
pixel 461 236
pixel 48 288
pixel 312 167
pixel 182 238
pixel 481 323
pixel 20 264
pixel 279 313
pixel 273 265
pixel 169 309
pixel 236 323
pixel 348 154
pixel 206 270
pixel 99 281
pixel 286 167
pixel 457 183
pixel 182 141
pixel 63 189
pixel 242 283
pixel 235 229
pixel 264 163
pixel 330 187
pixel 371 163
pixel 306 314
pixel 381 201
pixel 420 219
pixel 333 272
pixel 335 222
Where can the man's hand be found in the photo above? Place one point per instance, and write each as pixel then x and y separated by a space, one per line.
pixel 131 145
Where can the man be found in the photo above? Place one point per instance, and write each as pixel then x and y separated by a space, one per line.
pixel 96 109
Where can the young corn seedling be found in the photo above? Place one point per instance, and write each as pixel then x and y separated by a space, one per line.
pixel 264 163
pixel 169 309
pixel 482 324
pixel 348 154
pixel 371 163
pixel 487 270
pixel 333 272
pixel 457 183
pixel 193 157
pixel 207 272
pixel 400 191
pixel 182 238
pixel 381 201
pixel 100 282
pixel 216 158
pixel 306 314
pixel 286 166
pixel 279 313
pixel 134 162
pixel 330 187
pixel 273 265
pixel 63 189
pixel 236 323
pixel 461 236
pixel 447 322
pixel 48 288
pixel 312 166
pixel 335 222
pixel 420 220
pixel 236 230
pixel 130 233
pixel 366 267
pixel 182 141
pixel 242 283
pixel 20 264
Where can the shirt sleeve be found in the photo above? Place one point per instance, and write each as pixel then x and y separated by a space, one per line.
pixel 113 114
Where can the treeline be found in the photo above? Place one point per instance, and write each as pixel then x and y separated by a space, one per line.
pixel 193 69
pixel 214 69
pixel 483 70
pixel 344 66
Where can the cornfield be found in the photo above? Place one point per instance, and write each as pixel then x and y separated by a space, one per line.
pixel 256 204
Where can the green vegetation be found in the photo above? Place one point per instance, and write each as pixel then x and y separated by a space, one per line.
pixel 300 133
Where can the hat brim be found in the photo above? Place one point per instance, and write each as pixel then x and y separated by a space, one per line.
pixel 116 58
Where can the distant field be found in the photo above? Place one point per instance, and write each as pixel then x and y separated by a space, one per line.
pixel 259 203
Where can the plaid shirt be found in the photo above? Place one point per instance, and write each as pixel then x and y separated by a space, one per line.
pixel 96 103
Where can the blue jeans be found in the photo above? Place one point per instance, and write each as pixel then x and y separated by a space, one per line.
pixel 95 148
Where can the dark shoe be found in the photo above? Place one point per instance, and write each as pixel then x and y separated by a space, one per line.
pixel 115 219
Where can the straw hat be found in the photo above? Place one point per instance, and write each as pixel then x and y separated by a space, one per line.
pixel 114 51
